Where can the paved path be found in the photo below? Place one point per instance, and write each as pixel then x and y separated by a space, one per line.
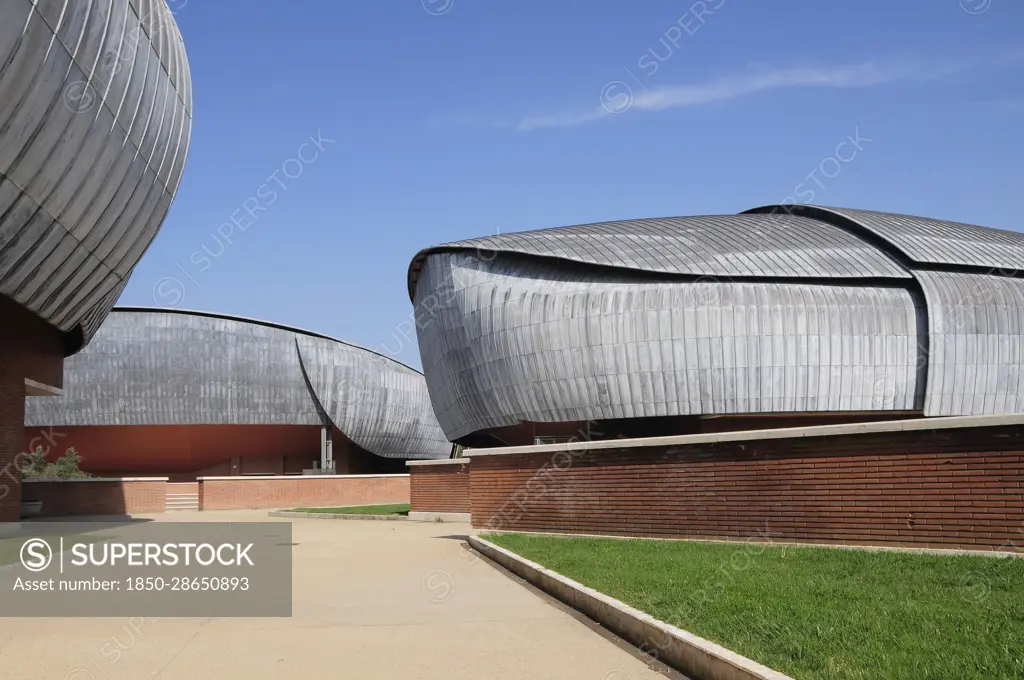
pixel 371 600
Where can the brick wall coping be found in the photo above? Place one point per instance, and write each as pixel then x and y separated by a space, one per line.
pixel 264 478
pixel 916 424
pixel 99 479
pixel 443 461
pixel 34 388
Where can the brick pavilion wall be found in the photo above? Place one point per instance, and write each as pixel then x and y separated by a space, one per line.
pixel 234 493
pixel 956 487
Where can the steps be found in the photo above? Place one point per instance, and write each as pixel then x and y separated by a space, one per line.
pixel 181 501
pixel 182 496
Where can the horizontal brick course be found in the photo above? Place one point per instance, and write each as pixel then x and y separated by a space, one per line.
pixel 115 497
pixel 440 488
pixel 302 491
pixel 959 488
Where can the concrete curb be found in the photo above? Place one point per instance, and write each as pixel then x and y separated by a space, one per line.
pixel 331 515
pixel 439 516
pixel 694 656
pixel 443 461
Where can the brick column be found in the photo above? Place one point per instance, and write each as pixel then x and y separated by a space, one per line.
pixel 439 486
pixel 12 428
pixel 29 349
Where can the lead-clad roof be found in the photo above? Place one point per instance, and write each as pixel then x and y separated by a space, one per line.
pixel 157 367
pixel 925 240
pixel 708 245
pixel 776 241
pixel 515 340
pixel 549 325
pixel 95 122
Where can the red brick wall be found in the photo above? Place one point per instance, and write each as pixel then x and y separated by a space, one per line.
pixel 185 452
pixel 935 488
pixel 162 450
pixel 115 497
pixel 302 491
pixel 442 487
pixel 29 348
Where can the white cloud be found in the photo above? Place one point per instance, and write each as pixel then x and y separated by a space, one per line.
pixel 631 97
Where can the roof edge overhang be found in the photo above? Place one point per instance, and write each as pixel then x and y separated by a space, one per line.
pixel 828 215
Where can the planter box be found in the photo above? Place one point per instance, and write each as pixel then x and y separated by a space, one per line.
pixel 30 509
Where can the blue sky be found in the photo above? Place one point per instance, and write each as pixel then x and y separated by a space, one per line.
pixel 445 119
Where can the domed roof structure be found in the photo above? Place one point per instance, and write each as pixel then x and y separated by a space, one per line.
pixel 160 367
pixel 95 120
pixel 779 309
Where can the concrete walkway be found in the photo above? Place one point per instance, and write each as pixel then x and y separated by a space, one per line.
pixel 371 600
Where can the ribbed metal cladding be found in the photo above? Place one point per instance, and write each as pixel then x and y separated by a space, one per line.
pixel 976 355
pixel 379 404
pixel 176 368
pixel 95 120
pixel 710 245
pixel 510 338
pixel 570 323
pixel 932 241
pixel 166 368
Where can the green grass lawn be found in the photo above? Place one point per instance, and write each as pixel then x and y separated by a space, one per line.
pixel 820 613
pixel 395 509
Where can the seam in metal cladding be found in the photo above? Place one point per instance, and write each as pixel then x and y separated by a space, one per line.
pixel 95 122
pixel 929 241
pixel 158 367
pixel 780 309
pixel 977 358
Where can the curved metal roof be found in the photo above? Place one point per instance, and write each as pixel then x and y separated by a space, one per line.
pixel 380 404
pixel 95 121
pixel 515 340
pixel 550 325
pixel 258 322
pixel 709 245
pixel 928 241
pixel 159 367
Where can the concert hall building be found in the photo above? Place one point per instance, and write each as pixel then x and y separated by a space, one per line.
pixel 780 316
pixel 191 394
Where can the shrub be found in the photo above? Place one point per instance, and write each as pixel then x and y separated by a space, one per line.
pixel 33 469
pixel 65 467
